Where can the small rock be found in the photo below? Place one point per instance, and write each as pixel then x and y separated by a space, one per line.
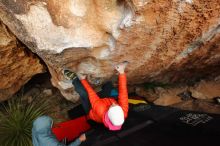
pixel 206 90
pixel 71 95
pixel 167 99
pixel 148 94
pixel 217 100
pixel 169 96
pixel 48 92
pixel 65 84
pixel 186 95
pixel 217 79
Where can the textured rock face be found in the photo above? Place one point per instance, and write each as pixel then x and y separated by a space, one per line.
pixel 17 65
pixel 164 40
pixel 206 90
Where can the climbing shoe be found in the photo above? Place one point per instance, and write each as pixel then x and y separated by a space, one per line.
pixel 69 75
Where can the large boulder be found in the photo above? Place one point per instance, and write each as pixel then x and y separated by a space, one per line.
pixel 164 40
pixel 17 64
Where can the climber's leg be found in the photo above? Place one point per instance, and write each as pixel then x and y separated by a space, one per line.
pixel 83 95
pixel 79 89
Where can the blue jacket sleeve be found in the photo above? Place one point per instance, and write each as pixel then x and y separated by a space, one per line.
pixel 77 142
pixel 43 136
pixel 52 141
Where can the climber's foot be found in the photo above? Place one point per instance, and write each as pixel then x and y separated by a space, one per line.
pixel 69 75
pixel 121 67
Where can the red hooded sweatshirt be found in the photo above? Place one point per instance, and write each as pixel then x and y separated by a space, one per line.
pixel 99 106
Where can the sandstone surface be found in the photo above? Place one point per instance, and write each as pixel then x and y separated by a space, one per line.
pixel 166 41
pixel 17 64
pixel 206 90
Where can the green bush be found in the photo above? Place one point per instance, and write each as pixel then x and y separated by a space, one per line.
pixel 16 120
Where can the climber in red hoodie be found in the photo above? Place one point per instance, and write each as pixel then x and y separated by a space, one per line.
pixel 106 110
